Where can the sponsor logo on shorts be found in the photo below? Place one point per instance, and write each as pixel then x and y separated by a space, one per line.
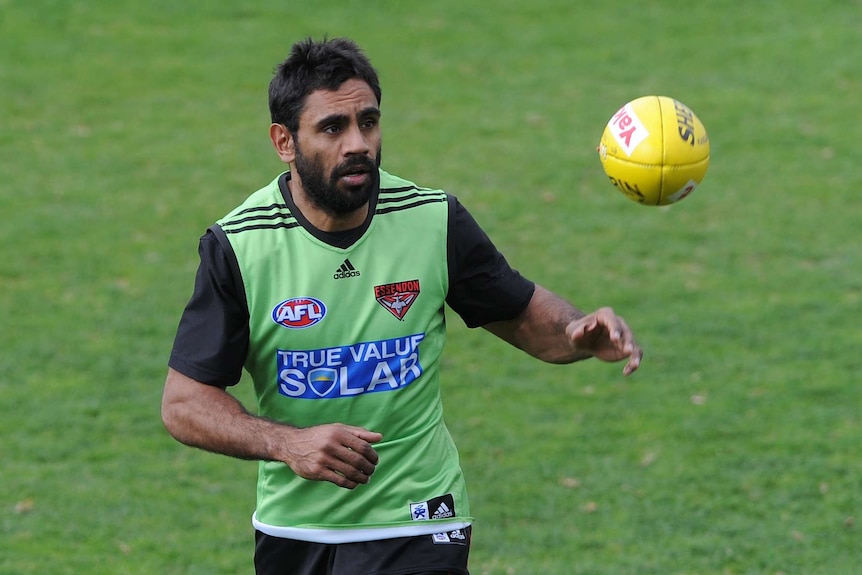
pixel 457 537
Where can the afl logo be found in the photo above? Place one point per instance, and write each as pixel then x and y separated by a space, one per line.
pixel 299 312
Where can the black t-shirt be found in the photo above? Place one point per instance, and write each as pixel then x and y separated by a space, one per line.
pixel 213 334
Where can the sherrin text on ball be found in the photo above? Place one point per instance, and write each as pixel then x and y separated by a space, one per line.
pixel 655 150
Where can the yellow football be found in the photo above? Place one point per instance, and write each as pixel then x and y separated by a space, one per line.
pixel 655 150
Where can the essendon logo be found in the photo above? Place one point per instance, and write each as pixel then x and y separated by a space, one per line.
pixel 397 297
pixel 299 312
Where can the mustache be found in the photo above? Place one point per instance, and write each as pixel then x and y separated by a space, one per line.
pixel 362 164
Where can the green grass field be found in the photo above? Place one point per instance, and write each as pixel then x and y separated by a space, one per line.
pixel 126 128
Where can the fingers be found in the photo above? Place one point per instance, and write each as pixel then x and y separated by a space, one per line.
pixel 337 453
pixel 351 457
pixel 364 434
pixel 630 347
pixel 635 356
pixel 343 472
pixel 617 327
pixel 607 336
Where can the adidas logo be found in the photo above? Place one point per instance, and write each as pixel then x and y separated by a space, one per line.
pixel 345 270
pixel 443 511
pixel 444 505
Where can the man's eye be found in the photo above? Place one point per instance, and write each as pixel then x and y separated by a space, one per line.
pixel 331 129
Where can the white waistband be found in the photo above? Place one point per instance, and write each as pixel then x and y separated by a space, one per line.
pixel 331 536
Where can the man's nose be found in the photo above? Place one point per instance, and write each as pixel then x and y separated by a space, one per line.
pixel 355 141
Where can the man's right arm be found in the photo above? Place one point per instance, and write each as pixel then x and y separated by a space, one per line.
pixel 208 354
pixel 208 417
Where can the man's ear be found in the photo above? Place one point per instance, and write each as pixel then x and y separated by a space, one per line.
pixel 283 142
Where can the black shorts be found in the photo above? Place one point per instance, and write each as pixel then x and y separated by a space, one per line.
pixel 422 555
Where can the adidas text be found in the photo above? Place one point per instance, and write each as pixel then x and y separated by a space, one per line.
pixel 339 275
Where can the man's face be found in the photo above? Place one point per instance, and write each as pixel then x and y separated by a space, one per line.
pixel 337 147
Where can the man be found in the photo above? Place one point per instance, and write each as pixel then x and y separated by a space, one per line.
pixel 328 287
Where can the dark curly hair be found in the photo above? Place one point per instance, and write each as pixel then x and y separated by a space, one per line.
pixel 312 66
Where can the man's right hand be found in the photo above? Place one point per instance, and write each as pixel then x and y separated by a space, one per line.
pixel 338 453
pixel 209 417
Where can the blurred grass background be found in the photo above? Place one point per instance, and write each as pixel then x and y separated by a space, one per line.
pixel 126 128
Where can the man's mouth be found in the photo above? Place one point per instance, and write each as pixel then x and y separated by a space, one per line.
pixel 355 178
pixel 354 175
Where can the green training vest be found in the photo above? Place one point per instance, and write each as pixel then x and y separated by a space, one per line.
pixel 354 336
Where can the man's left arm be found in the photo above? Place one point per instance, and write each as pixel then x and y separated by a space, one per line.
pixel 553 330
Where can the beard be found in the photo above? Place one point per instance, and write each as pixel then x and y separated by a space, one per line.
pixel 327 193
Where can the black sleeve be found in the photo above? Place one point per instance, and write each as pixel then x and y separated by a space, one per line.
pixel 483 288
pixel 213 334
